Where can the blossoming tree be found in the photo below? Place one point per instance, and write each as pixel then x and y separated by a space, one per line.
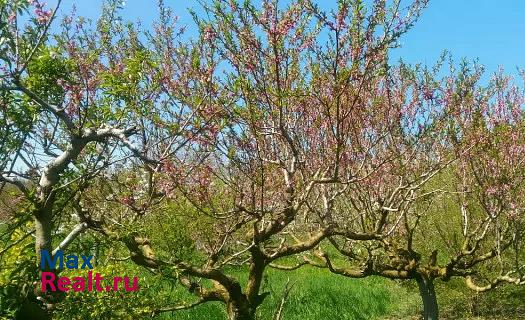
pixel 277 130
pixel 83 102
pixel 466 220
pixel 297 94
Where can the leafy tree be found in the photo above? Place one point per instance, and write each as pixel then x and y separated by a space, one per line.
pixel 81 104
pixel 275 130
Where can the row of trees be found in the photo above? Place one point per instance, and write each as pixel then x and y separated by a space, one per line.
pixel 283 134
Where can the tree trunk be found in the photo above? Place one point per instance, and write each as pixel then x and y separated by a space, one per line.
pixel 428 295
pixel 43 235
pixel 43 228
pixel 244 306
pixel 240 312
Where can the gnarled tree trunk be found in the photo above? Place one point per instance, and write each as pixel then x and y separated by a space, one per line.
pixel 428 295
pixel 240 311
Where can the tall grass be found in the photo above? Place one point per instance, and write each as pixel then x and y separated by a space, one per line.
pixel 317 294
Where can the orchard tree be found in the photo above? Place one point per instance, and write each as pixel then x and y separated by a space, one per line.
pixel 301 99
pixel 466 219
pixel 275 128
pixel 81 103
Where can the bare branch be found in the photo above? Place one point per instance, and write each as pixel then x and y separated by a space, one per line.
pixel 79 228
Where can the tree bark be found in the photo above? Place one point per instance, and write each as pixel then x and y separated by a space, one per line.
pixel 244 306
pixel 43 232
pixel 256 272
pixel 43 241
pixel 238 311
pixel 428 295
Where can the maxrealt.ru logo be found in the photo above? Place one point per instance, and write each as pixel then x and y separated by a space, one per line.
pixel 88 283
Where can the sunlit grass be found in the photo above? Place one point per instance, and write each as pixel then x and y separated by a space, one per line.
pixel 317 294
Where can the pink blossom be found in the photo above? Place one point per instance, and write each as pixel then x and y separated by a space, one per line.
pixel 209 33
pixel 491 191
pixel 428 94
pixel 128 200
pixel 12 17
pixel 233 5
pixel 42 16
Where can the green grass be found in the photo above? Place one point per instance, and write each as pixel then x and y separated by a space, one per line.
pixel 317 294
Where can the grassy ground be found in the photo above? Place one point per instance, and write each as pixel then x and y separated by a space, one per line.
pixel 316 294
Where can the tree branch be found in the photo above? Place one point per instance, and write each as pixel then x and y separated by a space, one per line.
pixel 79 228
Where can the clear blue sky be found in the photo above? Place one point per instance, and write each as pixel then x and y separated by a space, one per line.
pixel 493 31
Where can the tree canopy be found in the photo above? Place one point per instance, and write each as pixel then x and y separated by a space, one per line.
pixel 279 136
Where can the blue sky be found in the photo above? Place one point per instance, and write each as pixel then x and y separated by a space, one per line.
pixel 493 31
